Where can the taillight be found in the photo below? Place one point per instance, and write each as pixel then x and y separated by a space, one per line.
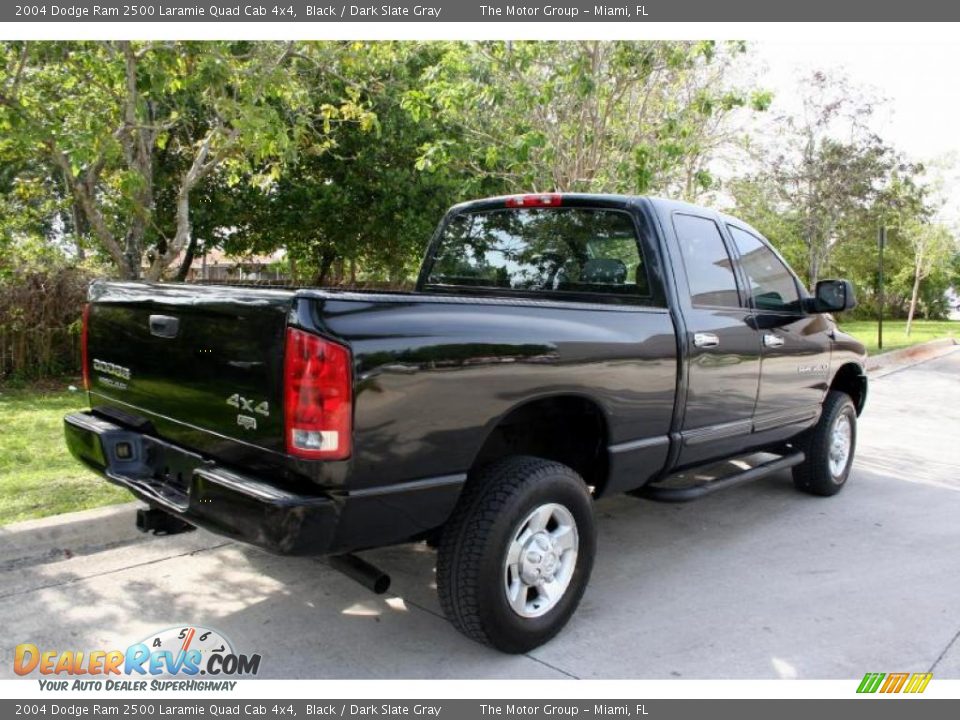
pixel 318 389
pixel 84 355
pixel 542 200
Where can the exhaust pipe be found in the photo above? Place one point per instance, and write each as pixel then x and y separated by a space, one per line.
pixel 161 523
pixel 372 578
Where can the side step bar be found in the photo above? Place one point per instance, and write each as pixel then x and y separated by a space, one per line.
pixel 660 493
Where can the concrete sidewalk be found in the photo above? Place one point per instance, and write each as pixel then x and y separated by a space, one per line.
pixel 755 582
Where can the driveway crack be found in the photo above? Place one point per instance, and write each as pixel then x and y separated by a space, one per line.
pixel 552 667
pixel 945 651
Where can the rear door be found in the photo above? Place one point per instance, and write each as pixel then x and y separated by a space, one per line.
pixel 723 345
pixel 795 369
pixel 201 365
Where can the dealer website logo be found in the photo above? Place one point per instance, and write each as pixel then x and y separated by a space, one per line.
pixel 894 682
pixel 176 652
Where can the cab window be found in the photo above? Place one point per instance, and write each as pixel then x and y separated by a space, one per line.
pixel 772 285
pixel 709 269
pixel 550 251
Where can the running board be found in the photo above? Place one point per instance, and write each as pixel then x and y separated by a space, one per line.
pixel 692 492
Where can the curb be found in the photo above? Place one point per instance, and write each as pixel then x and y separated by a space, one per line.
pixel 59 537
pixel 885 363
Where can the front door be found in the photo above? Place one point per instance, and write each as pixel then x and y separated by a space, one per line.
pixel 723 345
pixel 795 367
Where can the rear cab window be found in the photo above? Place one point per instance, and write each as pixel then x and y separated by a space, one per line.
pixel 561 252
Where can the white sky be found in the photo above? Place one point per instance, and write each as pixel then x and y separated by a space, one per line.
pixel 919 80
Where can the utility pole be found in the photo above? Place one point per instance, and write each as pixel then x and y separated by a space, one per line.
pixel 881 241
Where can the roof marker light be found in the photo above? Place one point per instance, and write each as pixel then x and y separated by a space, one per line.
pixel 536 200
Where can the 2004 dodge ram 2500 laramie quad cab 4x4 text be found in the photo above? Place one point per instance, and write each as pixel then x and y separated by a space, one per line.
pixel 557 348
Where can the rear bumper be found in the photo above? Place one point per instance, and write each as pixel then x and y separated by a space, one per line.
pixel 251 509
pixel 199 492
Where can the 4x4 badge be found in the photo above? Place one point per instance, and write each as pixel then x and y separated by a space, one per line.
pixel 246 405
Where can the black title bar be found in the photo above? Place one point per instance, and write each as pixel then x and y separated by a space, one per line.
pixel 301 11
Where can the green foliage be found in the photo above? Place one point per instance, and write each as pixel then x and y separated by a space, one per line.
pixel 360 209
pixel 104 116
pixel 631 117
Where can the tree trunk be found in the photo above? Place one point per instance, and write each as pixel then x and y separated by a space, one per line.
pixel 202 164
pixel 187 261
pixel 813 267
pixel 915 294
pixel 137 142
pixel 83 192
pixel 323 271
pixel 75 218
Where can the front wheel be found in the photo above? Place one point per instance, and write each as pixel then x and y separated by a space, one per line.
pixel 829 448
pixel 515 558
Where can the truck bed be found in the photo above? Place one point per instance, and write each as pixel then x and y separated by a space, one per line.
pixel 462 362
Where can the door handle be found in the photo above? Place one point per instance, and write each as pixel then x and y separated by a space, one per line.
pixel 164 326
pixel 772 341
pixel 705 340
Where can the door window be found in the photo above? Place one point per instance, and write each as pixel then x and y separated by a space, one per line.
pixel 709 270
pixel 772 285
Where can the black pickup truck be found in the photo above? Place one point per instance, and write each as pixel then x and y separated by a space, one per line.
pixel 557 348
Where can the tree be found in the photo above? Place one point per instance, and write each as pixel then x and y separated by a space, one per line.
pixel 823 165
pixel 581 116
pixel 101 112
pixel 361 209
pixel 933 247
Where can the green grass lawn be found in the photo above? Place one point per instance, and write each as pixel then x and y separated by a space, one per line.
pixel 38 476
pixel 894 332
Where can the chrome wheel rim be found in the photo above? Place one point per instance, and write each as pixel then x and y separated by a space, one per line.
pixel 540 560
pixel 841 440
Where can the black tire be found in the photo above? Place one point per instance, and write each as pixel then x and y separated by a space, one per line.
pixel 473 551
pixel 814 475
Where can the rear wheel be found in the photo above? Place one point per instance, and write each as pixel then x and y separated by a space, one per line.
pixel 829 448
pixel 516 556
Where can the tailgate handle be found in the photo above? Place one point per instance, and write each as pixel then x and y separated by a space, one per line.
pixel 164 326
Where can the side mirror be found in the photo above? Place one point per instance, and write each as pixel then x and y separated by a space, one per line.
pixel 832 296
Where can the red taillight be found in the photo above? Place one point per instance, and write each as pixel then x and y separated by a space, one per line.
pixel 318 389
pixel 545 200
pixel 84 356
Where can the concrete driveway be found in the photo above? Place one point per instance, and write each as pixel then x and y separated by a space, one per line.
pixel 755 582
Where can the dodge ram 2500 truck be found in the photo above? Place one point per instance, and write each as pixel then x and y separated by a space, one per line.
pixel 557 348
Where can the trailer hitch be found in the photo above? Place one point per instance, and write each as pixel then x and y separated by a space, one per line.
pixel 160 522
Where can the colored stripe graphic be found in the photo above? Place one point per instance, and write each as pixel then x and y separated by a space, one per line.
pixel 918 682
pixel 894 682
pixel 870 682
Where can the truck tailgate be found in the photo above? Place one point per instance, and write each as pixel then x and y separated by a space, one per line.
pixel 202 364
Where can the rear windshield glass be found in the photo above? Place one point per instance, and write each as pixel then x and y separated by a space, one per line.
pixel 546 250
